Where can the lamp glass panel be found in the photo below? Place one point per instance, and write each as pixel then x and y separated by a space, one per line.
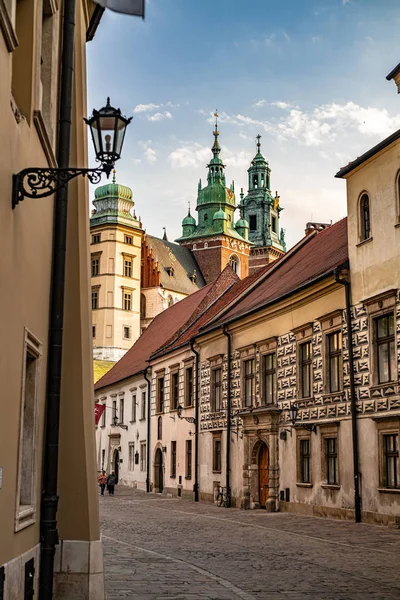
pixel 119 137
pixel 94 128
pixel 107 127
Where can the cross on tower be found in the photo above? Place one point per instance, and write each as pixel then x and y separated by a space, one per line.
pixel 258 138
pixel 216 118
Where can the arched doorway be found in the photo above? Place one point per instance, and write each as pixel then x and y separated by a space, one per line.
pixel 158 471
pixel 116 465
pixel 263 474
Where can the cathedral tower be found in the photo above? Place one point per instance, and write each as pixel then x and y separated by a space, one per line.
pixel 115 253
pixel 215 240
pixel 261 210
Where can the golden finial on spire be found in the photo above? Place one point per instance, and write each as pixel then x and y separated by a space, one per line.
pixel 114 176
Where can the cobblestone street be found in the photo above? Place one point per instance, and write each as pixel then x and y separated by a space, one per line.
pixel 166 548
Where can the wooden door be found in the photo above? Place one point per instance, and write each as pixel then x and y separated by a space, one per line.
pixel 263 474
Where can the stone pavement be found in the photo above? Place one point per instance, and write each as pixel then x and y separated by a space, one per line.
pixel 159 548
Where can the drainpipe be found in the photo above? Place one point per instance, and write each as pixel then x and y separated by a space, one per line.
pixel 148 431
pixel 228 417
pixel 357 497
pixel 49 502
pixel 196 423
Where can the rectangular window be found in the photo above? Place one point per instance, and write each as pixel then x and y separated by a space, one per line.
pixel 95 263
pixel 174 390
pixel 127 267
pixel 305 461
pixel 93 331
pixel 142 456
pixel 127 300
pixel 305 351
pixel 332 471
pixel 121 410
pixel 103 458
pixel 160 395
pixel 96 238
pixel 134 408
pixel 143 407
pixel 334 347
pixel 188 459
pixel 131 457
pixel 216 390
pixel 95 299
pixel 114 411
pixel 270 378
pixel 249 382
pixel 217 455
pixel 385 348
pixel 391 460
pixel 253 222
pixel 274 224
pixel 103 418
pixel 129 240
pixel 173 459
pixel 127 332
pixel 189 386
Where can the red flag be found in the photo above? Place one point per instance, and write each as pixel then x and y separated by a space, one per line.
pixel 98 411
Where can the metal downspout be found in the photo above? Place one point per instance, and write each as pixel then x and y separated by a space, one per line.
pixel 228 417
pixel 357 497
pixel 49 502
pixel 197 423
pixel 148 432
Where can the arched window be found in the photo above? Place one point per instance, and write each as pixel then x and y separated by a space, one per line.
pixel 159 428
pixel 255 181
pixel 234 263
pixel 365 219
pixel 142 306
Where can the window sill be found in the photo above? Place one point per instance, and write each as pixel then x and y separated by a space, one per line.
pixel 188 477
pixel 133 421
pixel 304 485
pixel 329 486
pixel 331 395
pixel 188 406
pixel 218 472
pixel 389 490
pixel 379 386
pixel 363 242
pixel 397 225
pixel 144 418
pixel 172 476
pixel 26 516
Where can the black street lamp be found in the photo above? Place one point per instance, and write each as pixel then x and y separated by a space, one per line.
pixel 116 423
pixel 293 411
pixel 179 410
pixel 107 127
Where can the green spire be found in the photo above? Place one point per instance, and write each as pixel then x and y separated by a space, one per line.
pixel 216 167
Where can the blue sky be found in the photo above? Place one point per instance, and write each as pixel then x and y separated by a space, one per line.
pixel 308 75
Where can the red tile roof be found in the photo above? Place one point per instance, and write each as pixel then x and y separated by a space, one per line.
pixel 318 255
pixel 160 330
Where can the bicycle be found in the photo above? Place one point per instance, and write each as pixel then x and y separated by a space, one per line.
pixel 223 497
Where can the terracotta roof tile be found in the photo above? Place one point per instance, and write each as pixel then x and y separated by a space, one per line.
pixel 161 329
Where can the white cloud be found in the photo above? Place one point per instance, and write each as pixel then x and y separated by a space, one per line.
pixel 160 116
pixel 286 36
pixel 282 105
pixel 150 155
pixel 368 121
pixel 191 155
pixel 139 108
pixel 259 103
pixel 344 2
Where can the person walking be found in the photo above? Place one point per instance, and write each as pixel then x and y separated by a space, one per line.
pixel 102 480
pixel 111 482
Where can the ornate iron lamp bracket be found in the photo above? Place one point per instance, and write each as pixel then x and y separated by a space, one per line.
pixel 42 182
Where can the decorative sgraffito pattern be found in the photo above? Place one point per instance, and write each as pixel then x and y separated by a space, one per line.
pixel 370 398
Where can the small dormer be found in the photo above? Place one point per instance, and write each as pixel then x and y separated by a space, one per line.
pixel 170 271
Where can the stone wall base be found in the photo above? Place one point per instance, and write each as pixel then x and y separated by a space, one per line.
pixel 14 571
pixel 79 571
pixel 347 514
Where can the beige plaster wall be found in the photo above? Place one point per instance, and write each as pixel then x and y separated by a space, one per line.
pixel 375 265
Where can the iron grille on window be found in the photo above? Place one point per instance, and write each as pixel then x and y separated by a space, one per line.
pixel 386 354
pixel 305 369
pixel 391 460
pixel 270 378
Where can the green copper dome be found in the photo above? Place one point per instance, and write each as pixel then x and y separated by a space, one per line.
pixel 189 220
pixel 220 215
pixel 113 190
pixel 242 223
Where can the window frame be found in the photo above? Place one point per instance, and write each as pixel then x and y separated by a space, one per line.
pixel 388 341
pixel 334 355
pixel 174 389
pixel 142 456
pixel 364 211
pixel 387 427
pixel 301 438
pixel 329 433
pixel 188 459
pixel 302 364
pixel 266 374
pixel 249 377
pixel 189 386
pixel 134 408
pixel 95 297
pixel 217 464
pixel 131 456
pixel 126 299
pixel 173 459
pixel 95 264
pixel 160 394
pixel 216 385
